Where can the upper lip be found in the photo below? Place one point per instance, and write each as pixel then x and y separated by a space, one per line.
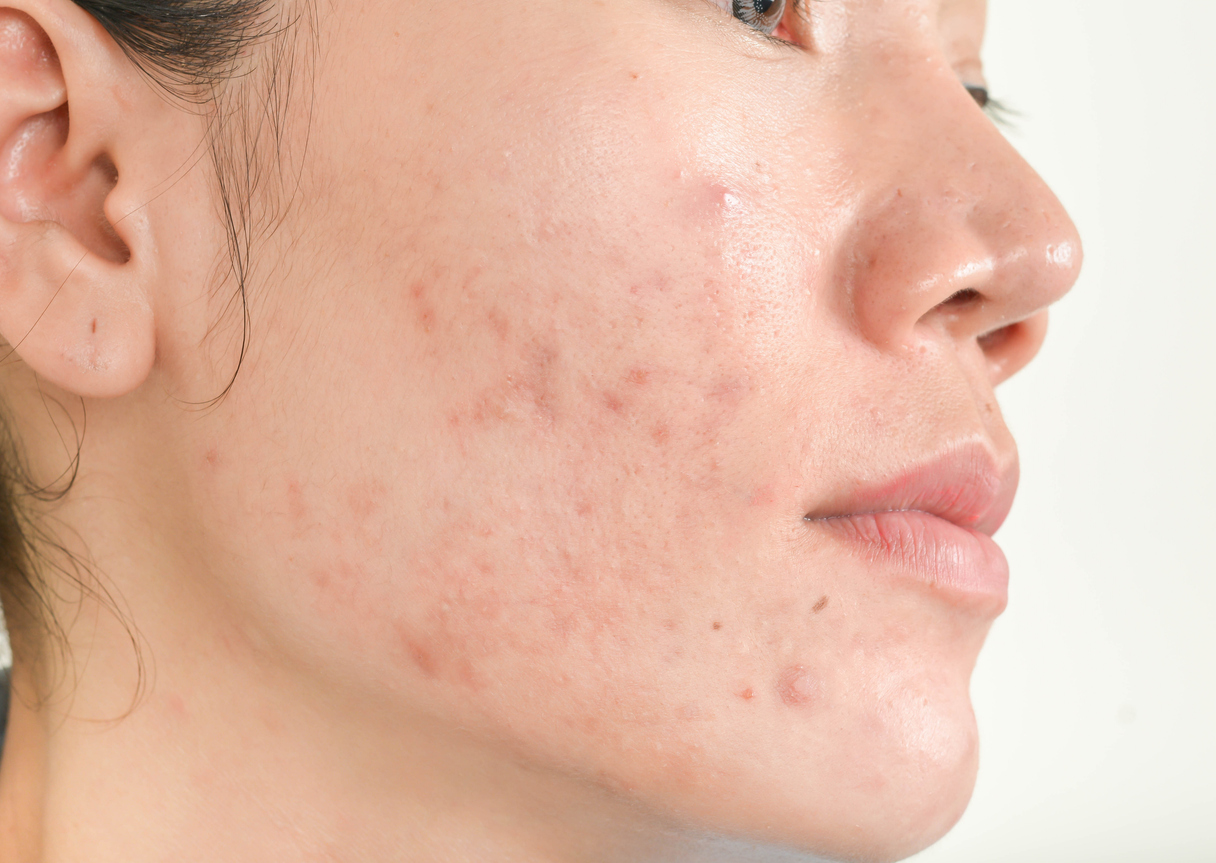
pixel 967 484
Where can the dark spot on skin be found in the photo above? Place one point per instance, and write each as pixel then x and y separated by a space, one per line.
pixel 467 676
pixel 659 284
pixel 638 377
pixel 763 496
pixel 730 391
pixel 499 325
pixel 747 694
pixel 425 314
pixel 338 582
pixel 688 712
pixel 796 686
pixel 588 723
pixel 212 456
pixel 94 324
pixel 717 624
pixel 660 434
pixel 613 403
pixel 526 391
pixel 297 508
pixel 820 605
pixel 418 654
pixel 633 75
pixel 364 498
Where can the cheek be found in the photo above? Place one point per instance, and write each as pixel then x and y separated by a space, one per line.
pixel 580 465
pixel 593 443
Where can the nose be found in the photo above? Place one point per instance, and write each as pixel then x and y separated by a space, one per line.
pixel 957 238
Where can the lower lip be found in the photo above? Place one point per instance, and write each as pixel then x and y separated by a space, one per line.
pixel 964 565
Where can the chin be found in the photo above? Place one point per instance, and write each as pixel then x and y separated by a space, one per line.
pixel 928 809
pixel 893 778
pixel 915 792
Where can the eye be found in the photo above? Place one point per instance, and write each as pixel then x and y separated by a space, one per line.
pixel 979 94
pixel 762 15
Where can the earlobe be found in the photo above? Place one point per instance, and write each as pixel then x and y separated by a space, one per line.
pixel 75 301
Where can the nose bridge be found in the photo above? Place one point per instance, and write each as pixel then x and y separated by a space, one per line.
pixel 947 208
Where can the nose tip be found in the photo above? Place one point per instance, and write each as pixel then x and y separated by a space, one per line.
pixel 961 237
pixel 1008 347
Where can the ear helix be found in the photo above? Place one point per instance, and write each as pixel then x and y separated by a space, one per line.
pixel 70 307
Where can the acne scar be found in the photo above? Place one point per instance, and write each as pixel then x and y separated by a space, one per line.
pixel 763 495
pixel 717 624
pixel 364 498
pixel 418 653
pixel 425 314
pixel 797 687
pixel 613 403
pixel 688 712
pixel 297 507
pixel 638 377
pixel 499 325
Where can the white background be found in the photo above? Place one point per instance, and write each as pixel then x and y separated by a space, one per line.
pixel 1096 694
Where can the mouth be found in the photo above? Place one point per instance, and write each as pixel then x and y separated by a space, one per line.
pixel 932 524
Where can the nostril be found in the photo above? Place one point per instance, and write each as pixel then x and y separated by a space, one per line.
pixel 994 340
pixel 965 297
pixel 1010 347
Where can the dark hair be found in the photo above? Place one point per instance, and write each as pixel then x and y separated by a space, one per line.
pixel 192 49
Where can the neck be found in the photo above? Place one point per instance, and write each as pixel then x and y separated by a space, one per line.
pixel 225 753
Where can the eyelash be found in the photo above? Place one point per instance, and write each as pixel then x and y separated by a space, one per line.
pixel 995 110
pixel 783 6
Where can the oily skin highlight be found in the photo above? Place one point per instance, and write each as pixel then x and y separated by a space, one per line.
pixel 496 548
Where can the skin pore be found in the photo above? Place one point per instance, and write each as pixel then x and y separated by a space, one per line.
pixel 565 315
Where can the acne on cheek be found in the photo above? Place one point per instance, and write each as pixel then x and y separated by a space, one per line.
pixel 534 341
pixel 797 686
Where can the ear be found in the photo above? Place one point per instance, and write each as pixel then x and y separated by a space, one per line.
pixel 77 263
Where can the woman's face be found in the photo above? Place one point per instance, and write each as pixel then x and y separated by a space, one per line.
pixel 583 321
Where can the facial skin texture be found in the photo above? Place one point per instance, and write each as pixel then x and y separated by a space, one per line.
pixel 496 548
